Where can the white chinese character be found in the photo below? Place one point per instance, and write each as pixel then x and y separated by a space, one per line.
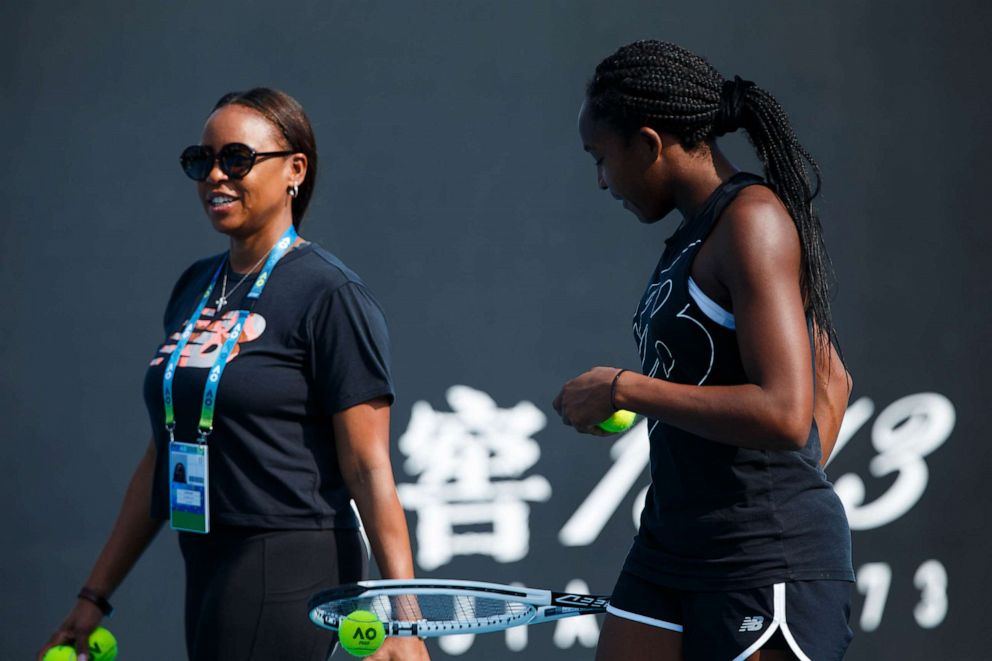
pixel 469 463
pixel 631 454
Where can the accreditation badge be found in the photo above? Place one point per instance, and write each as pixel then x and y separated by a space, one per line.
pixel 189 487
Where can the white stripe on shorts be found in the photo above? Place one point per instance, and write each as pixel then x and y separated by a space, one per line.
pixel 627 615
pixel 778 620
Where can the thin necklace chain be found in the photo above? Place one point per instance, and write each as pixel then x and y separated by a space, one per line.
pixel 224 294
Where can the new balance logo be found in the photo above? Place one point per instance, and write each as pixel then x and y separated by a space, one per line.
pixel 752 623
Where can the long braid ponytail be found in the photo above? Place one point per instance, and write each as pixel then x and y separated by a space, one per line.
pixel 664 86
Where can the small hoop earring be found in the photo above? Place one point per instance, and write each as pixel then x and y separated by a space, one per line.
pixel 294 190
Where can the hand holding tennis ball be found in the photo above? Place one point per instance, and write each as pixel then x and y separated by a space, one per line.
pixel 361 633
pixel 583 400
pixel 619 421
pixel 102 647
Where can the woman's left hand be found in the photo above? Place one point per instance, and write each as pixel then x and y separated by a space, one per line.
pixel 401 649
pixel 584 402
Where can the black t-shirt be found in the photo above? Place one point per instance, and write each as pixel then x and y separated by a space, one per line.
pixel 315 343
pixel 717 516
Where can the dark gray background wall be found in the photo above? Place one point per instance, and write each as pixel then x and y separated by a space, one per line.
pixel 453 181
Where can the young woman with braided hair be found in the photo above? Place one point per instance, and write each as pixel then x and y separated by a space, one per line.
pixel 743 550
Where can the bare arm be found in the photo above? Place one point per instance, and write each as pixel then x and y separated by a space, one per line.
pixel 133 530
pixel 362 437
pixel 759 267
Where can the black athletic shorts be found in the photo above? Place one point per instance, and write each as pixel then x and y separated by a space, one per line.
pixel 247 590
pixel 807 617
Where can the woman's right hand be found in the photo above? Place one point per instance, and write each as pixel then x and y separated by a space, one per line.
pixel 76 629
pixel 132 532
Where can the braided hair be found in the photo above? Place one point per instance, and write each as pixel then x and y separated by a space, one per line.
pixel 661 85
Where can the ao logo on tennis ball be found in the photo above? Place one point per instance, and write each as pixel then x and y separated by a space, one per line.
pixel 361 633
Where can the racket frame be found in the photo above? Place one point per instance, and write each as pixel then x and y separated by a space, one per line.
pixel 542 605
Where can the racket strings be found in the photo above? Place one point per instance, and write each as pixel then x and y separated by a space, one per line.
pixel 435 611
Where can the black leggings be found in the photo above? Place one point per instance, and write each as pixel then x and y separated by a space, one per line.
pixel 247 590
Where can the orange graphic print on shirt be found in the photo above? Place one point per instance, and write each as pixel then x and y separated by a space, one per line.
pixel 209 336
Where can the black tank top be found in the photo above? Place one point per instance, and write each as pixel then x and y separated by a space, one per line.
pixel 720 517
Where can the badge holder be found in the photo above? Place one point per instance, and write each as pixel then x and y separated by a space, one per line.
pixel 189 470
pixel 189 486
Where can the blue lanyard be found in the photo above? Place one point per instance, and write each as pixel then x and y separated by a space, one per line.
pixel 213 378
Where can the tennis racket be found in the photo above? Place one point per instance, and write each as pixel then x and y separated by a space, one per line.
pixel 428 608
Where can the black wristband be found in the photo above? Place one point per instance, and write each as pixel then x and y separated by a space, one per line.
pixel 613 390
pixel 100 601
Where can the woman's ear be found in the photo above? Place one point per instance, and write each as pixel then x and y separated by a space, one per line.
pixel 298 167
pixel 649 143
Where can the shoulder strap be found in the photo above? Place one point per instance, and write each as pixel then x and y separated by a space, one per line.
pixel 720 200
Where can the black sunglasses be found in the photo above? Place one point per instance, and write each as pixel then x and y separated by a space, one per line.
pixel 236 160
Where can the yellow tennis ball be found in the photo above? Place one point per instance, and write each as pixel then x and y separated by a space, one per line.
pixel 361 633
pixel 619 421
pixel 60 653
pixel 103 645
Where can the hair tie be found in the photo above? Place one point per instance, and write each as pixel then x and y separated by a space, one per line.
pixel 729 115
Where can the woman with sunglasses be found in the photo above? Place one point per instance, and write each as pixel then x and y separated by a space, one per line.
pixel 743 549
pixel 272 388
